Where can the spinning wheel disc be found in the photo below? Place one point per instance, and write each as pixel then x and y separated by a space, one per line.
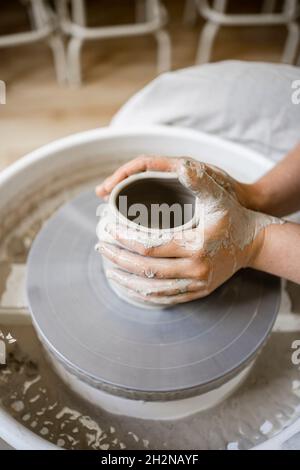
pixel 130 351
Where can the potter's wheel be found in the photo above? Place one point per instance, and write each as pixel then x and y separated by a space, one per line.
pixel 134 352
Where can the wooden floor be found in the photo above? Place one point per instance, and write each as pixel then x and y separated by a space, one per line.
pixel 38 110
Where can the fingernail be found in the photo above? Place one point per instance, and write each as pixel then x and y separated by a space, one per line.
pixel 100 247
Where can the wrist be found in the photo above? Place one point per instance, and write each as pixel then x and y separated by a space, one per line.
pixel 253 196
pixel 255 250
pixel 280 251
pixel 252 252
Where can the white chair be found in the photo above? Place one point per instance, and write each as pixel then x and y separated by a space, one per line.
pixel 151 18
pixel 216 16
pixel 44 27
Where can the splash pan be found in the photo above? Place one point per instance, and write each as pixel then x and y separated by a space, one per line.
pixel 37 409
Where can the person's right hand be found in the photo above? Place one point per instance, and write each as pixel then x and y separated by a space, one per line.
pixel 189 264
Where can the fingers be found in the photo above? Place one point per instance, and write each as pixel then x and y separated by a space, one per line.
pixel 139 164
pixel 197 177
pixel 154 287
pixel 229 184
pixel 180 244
pixel 145 244
pixel 207 180
pixel 160 268
pixel 168 300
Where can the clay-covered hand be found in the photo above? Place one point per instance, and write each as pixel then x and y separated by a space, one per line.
pixel 188 264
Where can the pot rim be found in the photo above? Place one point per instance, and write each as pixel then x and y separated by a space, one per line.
pixel 142 176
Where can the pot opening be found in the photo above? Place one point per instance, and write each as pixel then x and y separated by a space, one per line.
pixel 156 203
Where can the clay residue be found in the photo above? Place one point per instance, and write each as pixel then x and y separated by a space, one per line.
pixel 32 393
pixel 266 403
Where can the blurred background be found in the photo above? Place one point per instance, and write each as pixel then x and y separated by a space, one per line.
pixel 69 65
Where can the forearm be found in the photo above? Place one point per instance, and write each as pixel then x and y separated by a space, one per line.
pixel 278 192
pixel 280 252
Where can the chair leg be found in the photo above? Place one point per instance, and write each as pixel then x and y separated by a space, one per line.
pixel 74 61
pixel 209 33
pixel 268 6
pixel 292 43
pixel 79 12
pixel 41 13
pixel 57 46
pixel 37 14
pixel 190 13
pixel 61 9
pixel 164 51
pixel 206 41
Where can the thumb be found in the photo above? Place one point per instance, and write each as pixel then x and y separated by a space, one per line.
pixel 195 177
